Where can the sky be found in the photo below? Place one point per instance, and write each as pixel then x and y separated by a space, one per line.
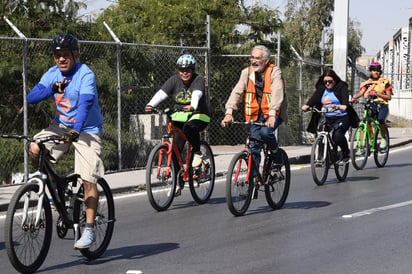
pixel 378 20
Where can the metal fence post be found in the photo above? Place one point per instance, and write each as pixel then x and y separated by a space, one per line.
pixel 24 76
pixel 119 95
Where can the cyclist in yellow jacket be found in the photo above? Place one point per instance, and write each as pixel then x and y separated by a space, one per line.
pixel 380 89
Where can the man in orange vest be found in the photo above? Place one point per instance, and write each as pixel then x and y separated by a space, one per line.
pixel 262 88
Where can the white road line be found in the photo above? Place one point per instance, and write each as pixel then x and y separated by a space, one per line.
pixel 376 209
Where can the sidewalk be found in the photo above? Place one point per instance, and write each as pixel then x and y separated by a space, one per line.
pixel 132 181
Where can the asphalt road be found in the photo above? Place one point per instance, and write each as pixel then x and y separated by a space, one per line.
pixel 362 225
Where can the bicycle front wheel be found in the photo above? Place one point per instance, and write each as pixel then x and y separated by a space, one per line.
pixel 27 242
pixel 103 221
pixel 160 178
pixel 238 188
pixel 381 154
pixel 319 160
pixel 278 181
pixel 202 179
pixel 341 169
pixel 359 147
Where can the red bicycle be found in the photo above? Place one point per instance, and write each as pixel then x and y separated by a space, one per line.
pixel 168 169
pixel 244 178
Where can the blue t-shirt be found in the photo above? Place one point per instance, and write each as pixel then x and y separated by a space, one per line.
pixel 329 99
pixel 81 115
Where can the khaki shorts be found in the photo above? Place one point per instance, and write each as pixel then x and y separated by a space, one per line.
pixel 87 156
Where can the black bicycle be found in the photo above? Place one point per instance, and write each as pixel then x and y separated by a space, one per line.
pixel 326 153
pixel 28 225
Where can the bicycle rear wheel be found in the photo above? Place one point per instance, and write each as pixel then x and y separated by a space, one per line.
pixel 319 160
pixel 341 169
pixel 278 181
pixel 238 190
pixel 381 154
pixel 202 179
pixel 103 221
pixel 359 147
pixel 160 178
pixel 27 243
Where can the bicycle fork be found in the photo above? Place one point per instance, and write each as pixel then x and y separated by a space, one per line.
pixel 320 157
pixel 169 162
pixel 40 193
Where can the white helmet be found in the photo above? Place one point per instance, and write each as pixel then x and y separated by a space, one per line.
pixel 186 61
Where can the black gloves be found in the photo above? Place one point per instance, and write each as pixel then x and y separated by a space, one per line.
pixel 70 136
pixel 61 85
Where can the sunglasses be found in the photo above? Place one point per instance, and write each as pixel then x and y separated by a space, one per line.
pixel 328 82
pixel 374 69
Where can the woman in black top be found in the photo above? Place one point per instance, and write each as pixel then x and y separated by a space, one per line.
pixel 332 95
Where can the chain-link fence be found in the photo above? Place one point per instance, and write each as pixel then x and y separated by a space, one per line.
pixel 127 76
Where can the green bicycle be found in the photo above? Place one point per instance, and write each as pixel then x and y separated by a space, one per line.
pixel 367 138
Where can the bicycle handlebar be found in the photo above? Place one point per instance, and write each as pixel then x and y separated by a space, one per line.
pixel 53 138
pixel 329 109
pixel 364 101
pixel 251 122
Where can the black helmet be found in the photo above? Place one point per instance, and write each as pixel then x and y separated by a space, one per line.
pixel 65 41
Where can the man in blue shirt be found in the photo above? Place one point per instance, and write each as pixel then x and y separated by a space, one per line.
pixel 72 87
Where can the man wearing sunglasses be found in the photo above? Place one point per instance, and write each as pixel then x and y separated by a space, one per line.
pixel 381 90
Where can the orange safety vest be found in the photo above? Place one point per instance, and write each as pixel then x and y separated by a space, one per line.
pixel 251 103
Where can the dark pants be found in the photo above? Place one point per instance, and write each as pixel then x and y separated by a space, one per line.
pixel 266 134
pixel 382 113
pixel 192 131
pixel 340 126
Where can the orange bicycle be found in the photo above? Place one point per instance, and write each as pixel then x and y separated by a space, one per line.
pixel 168 169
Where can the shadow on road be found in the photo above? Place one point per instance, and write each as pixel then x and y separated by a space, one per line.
pixel 306 204
pixel 122 253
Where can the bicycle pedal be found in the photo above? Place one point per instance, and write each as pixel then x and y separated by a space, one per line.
pixel 255 192
pixel 178 192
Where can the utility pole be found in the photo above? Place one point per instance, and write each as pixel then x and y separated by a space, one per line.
pixel 340 37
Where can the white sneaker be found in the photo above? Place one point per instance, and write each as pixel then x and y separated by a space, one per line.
pixel 86 240
pixel 197 160
pixel 382 145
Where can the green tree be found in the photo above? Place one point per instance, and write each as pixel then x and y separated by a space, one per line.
pixel 183 22
pixel 355 48
pixel 37 18
pixel 304 22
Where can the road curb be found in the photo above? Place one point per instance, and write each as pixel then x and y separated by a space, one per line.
pixel 297 160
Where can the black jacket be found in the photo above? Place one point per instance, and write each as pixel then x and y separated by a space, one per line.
pixel 341 92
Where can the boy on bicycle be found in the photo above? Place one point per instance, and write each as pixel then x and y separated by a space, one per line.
pixel 262 89
pixel 380 89
pixel 72 87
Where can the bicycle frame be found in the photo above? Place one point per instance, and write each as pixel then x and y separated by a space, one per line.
pixel 327 131
pixel 169 140
pixel 251 160
pixel 46 176
pixel 365 124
